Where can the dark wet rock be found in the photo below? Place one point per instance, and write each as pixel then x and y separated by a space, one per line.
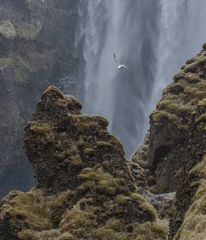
pixel 37 41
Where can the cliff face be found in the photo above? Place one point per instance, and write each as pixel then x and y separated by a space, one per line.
pixel 37 49
pixel 85 188
pixel 173 155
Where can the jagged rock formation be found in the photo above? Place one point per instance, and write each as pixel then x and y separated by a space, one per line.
pixel 85 189
pixel 174 152
pixel 37 49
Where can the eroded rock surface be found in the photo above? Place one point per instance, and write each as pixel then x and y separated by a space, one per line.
pixel 37 49
pixel 85 189
pixel 174 156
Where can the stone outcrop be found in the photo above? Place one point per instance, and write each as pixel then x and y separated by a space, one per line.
pixel 173 158
pixel 85 189
pixel 37 49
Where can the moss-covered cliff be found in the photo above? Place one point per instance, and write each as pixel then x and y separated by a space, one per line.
pixel 85 188
pixel 173 155
pixel 36 49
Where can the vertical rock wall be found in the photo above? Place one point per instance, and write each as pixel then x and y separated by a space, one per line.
pixel 36 49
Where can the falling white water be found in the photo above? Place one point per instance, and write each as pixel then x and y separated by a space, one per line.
pixel 182 33
pixel 102 31
pixel 154 38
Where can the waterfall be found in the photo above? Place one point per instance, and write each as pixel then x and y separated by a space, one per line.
pixel 153 38
pixel 182 33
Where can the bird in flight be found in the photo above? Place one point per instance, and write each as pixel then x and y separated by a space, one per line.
pixel 119 65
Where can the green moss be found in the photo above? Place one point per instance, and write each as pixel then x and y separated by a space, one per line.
pixel 122 199
pixel 159 115
pixel 144 205
pixel 195 92
pixel 148 208
pixel 41 128
pixel 28 31
pixel 62 103
pixel 107 187
pixel 201 59
pixel 202 103
pixel 160 229
pixel 7 29
pixel 108 234
pixel 114 224
pixel 90 174
pixel 66 236
pixel 81 117
pixel 60 200
pixel 104 182
pixel 89 151
pixel 42 235
pixel 6 61
pixel 174 108
pixel 201 118
pixel 138 197
pixel 141 202
pixel 31 209
pixel 191 67
pixel 151 231
pixel 104 144
pixel 76 161
pixel 201 86
pixel 194 224
pixel 199 170
pixel 179 76
pixel 101 121
pixel 77 222
pixel 27 235
pixel 23 69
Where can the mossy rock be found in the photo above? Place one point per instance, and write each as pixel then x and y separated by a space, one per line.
pixel 201 118
pixel 104 182
pixel 41 128
pixel 66 236
pixel 7 29
pixel 28 31
pixel 27 235
pixel 22 68
pixel 32 210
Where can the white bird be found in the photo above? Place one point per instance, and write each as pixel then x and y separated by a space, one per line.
pixel 119 66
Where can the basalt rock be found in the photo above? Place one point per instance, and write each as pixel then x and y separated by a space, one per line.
pixel 85 189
